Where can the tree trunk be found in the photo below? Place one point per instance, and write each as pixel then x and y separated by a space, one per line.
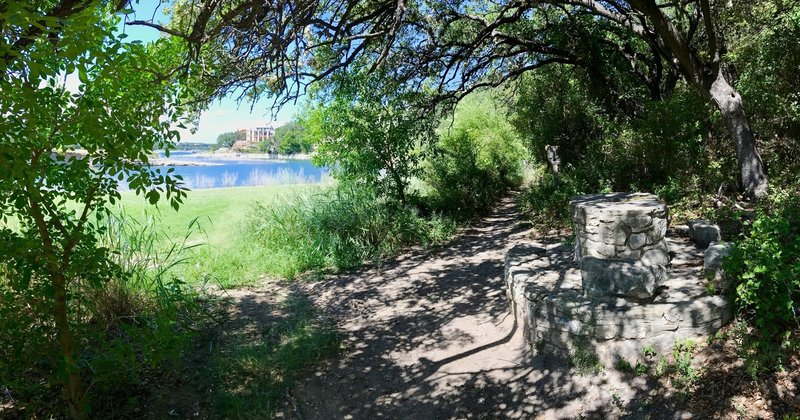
pixel 554 161
pixel 751 170
pixel 72 378
pixel 73 387
pixel 400 187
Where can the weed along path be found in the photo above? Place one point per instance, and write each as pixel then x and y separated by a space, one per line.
pixel 430 335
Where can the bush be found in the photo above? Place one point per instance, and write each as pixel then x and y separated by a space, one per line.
pixel 477 159
pixel 547 205
pixel 675 141
pixel 339 228
pixel 664 144
pixel 766 267
pixel 127 327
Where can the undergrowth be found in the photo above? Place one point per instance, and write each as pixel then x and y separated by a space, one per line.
pixel 765 269
pixel 131 328
pixel 252 375
pixel 339 228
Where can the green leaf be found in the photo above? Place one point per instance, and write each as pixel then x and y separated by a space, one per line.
pixel 82 76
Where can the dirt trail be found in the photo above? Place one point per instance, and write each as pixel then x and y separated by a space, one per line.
pixel 429 335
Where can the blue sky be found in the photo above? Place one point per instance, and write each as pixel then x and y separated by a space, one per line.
pixel 222 116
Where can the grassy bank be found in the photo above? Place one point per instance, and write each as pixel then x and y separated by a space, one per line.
pixel 218 367
pixel 215 220
pixel 239 235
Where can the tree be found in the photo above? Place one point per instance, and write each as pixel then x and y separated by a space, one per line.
pixel 291 138
pixel 124 107
pixel 765 56
pixel 454 47
pixel 365 130
pixel 229 138
pixel 25 23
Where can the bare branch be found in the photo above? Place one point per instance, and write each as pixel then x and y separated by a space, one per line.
pixel 160 28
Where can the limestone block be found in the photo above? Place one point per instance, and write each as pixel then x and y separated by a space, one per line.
pixel 716 251
pixel 630 254
pixel 590 248
pixel 638 222
pixel 637 240
pixel 655 257
pixel 712 261
pixel 659 230
pixel 628 278
pixel 703 232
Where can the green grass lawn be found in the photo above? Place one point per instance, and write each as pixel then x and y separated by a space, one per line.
pixel 225 255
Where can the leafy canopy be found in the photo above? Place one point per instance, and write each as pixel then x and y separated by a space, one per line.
pixel 366 130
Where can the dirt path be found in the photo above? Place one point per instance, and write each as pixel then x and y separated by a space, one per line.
pixel 430 336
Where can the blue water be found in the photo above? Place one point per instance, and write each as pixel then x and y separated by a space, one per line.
pixel 242 171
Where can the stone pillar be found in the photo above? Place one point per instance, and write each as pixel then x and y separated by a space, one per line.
pixel 619 241
pixel 619 226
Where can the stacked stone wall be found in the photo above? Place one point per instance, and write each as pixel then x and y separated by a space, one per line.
pixel 620 226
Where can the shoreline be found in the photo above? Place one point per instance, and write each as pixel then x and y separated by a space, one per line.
pixel 179 162
pixel 187 159
pixel 252 156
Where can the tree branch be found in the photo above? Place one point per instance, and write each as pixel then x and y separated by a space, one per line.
pixel 160 28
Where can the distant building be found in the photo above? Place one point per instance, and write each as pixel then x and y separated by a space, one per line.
pixel 249 138
pixel 241 135
pixel 260 134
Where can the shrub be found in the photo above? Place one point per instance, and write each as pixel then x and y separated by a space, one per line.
pixel 547 205
pixel 132 323
pixel 631 143
pixel 339 228
pixel 664 144
pixel 766 267
pixel 477 159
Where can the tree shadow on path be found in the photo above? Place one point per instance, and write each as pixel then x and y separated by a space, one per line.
pixel 430 335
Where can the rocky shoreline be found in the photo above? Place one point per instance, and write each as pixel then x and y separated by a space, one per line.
pixel 181 162
pixel 252 156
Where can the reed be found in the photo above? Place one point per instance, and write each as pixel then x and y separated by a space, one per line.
pixel 229 179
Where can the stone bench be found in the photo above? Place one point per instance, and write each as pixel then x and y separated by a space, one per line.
pixel 619 243
pixel 545 289
pixel 616 291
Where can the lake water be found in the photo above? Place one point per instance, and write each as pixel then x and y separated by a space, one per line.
pixel 241 171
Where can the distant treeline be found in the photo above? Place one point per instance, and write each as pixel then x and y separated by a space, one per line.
pixel 195 146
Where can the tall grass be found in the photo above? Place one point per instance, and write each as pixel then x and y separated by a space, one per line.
pixel 281 177
pixel 130 328
pixel 146 255
pixel 228 179
pixel 339 228
pixel 142 312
